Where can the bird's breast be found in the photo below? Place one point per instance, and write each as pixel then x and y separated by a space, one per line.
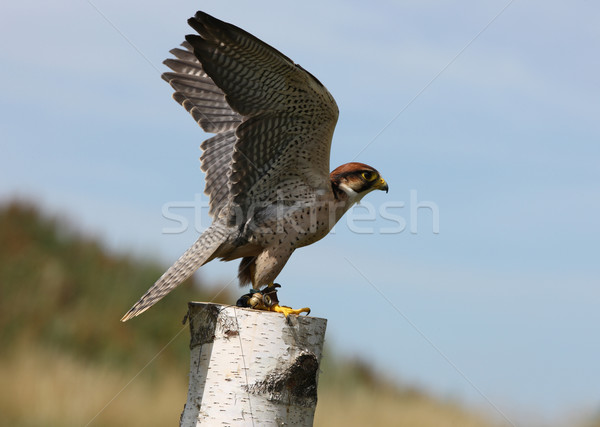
pixel 296 224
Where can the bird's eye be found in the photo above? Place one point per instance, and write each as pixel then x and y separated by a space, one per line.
pixel 369 176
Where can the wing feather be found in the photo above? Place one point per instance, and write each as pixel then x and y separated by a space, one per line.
pixel 288 115
pixel 216 162
pixel 199 95
pixel 274 120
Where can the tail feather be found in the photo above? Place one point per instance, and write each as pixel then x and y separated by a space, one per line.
pixel 197 255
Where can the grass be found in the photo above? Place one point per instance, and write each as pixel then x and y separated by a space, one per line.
pixel 49 388
pixel 352 394
pixel 52 388
pixel 363 407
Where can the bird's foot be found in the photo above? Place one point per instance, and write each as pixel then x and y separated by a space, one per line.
pixel 266 299
pixel 288 310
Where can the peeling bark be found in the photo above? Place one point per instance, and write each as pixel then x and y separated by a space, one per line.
pixel 297 383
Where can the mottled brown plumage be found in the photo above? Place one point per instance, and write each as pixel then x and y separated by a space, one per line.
pixel 267 167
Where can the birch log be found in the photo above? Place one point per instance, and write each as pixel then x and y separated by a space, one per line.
pixel 252 368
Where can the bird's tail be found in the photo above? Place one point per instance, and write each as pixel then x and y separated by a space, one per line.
pixel 197 255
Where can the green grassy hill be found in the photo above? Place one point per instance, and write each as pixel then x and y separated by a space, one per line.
pixel 67 360
pixel 66 293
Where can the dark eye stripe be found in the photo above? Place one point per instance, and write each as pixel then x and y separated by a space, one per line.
pixel 358 173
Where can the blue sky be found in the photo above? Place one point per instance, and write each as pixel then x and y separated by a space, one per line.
pixel 504 141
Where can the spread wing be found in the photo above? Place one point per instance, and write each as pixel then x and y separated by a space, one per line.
pixel 199 95
pixel 274 121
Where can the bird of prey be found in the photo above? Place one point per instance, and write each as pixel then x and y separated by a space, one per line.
pixel 267 167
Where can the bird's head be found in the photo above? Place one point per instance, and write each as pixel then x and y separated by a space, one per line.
pixel 357 180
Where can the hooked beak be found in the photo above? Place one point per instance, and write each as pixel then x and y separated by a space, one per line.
pixel 382 185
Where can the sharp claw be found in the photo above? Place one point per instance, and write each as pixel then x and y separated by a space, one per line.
pixel 266 299
pixel 286 311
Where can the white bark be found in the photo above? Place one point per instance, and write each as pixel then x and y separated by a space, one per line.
pixel 252 367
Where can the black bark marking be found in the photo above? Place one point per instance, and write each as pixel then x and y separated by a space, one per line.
pixel 203 323
pixel 296 384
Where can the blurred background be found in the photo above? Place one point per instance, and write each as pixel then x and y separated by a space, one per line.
pixel 467 296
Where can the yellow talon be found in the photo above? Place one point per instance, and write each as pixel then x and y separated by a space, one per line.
pixel 266 299
pixel 288 310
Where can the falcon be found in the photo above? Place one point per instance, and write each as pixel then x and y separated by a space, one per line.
pixel 267 166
